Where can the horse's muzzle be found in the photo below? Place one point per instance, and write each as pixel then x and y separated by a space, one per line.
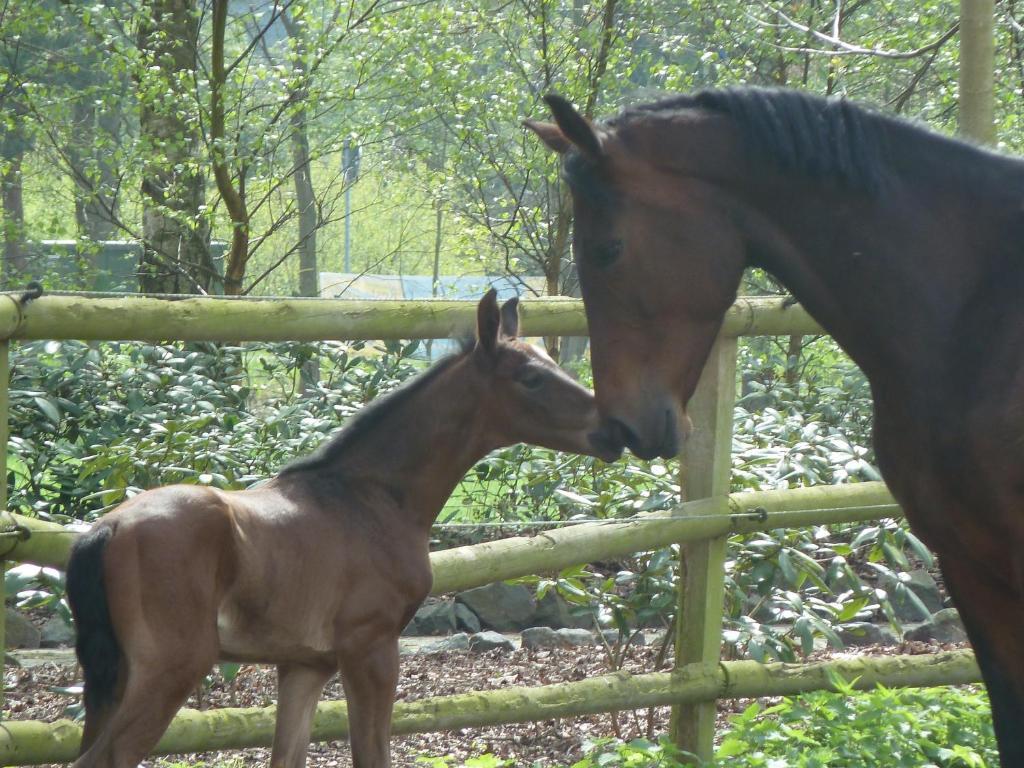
pixel 662 440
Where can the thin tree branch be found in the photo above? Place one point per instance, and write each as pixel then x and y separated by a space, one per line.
pixel 842 48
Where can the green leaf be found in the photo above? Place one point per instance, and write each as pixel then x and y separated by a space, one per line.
pixel 229 670
pixel 786 566
pixel 49 408
pixel 920 550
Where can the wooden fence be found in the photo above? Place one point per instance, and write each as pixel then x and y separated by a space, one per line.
pixel 701 525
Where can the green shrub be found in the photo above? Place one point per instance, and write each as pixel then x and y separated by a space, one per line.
pixel 887 728
pixel 884 728
pixel 93 424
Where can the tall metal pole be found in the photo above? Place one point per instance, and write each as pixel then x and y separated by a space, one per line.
pixel 349 174
pixel 348 227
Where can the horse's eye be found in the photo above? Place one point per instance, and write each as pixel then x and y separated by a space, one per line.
pixel 606 253
pixel 530 379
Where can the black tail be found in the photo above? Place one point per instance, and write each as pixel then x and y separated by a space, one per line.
pixel 97 647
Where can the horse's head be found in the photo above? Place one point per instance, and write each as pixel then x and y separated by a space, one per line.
pixel 659 261
pixel 530 399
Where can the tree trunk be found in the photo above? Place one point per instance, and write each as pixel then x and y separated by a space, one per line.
pixel 96 204
pixel 977 106
pixel 309 219
pixel 794 349
pixel 557 249
pixel 308 215
pixel 13 146
pixel 176 234
pixel 559 246
pixel 572 347
pixel 232 195
pixel 15 258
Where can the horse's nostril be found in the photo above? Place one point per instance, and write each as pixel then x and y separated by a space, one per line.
pixel 670 436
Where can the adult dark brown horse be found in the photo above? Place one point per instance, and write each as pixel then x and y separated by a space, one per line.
pixel 316 571
pixel 908 247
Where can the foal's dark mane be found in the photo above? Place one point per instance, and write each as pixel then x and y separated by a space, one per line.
pixel 837 139
pixel 369 418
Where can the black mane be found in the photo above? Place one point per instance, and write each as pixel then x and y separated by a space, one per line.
pixel 369 418
pixel 799 131
pixel 832 138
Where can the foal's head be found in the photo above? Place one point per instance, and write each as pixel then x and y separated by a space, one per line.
pixel 529 399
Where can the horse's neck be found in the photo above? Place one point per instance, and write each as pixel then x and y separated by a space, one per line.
pixel 419 452
pixel 888 277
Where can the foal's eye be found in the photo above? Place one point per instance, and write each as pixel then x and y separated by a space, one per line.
pixel 607 253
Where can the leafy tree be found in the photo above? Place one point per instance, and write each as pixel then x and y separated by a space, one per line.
pixel 175 231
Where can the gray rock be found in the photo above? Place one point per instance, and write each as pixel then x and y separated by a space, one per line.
pixel 553 611
pixel 20 633
pixel 922 585
pixel 436 618
pixel 927 591
pixel 567 637
pixel 657 638
pixel 500 606
pixel 459 642
pixel 858 633
pixel 490 641
pixel 536 638
pixel 943 627
pixel 56 633
pixel 465 619
pixel 575 637
pixel 611 636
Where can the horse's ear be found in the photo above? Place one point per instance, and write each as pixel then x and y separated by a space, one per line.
pixel 510 318
pixel 488 322
pixel 574 127
pixel 550 134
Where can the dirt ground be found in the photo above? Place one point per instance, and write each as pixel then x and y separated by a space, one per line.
pixel 32 694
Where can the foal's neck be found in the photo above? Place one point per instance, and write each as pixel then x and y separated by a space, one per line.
pixel 419 450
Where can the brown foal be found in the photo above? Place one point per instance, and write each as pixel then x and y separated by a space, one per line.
pixel 318 570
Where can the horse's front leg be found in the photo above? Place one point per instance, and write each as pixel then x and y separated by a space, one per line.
pixel 992 608
pixel 298 690
pixel 370 677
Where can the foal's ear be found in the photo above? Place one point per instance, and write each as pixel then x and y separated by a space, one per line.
pixel 574 127
pixel 510 318
pixel 488 322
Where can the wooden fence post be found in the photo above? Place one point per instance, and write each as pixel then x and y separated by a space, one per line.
pixel 706 460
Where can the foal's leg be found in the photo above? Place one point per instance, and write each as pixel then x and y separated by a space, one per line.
pixel 298 691
pixel 154 692
pixel 370 677
pixel 97 718
pixel 167 631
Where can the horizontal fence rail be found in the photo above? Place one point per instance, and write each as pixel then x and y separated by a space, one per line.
pixel 219 319
pixel 33 742
pixel 475 565
pixel 93 318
